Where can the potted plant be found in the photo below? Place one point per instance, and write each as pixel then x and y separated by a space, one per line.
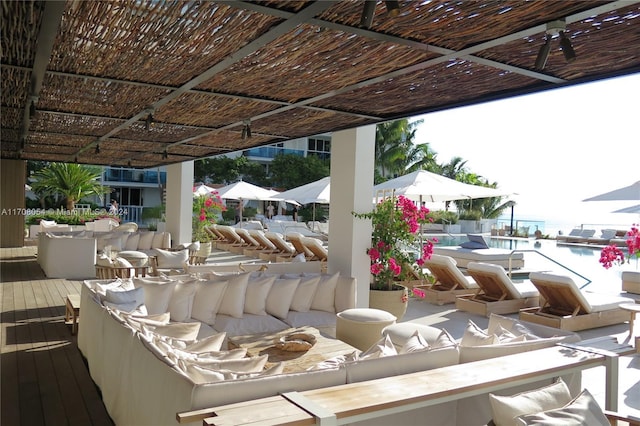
pixel 206 210
pixel 613 255
pixel 397 250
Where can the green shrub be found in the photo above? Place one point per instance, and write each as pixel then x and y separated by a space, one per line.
pixel 444 217
pixel 471 215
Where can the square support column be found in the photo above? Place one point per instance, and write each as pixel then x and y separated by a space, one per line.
pixel 352 166
pixel 179 202
pixel 12 203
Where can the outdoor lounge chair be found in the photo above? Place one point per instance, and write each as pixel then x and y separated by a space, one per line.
pixel 575 232
pixel 252 247
pixel 285 250
pixel 497 293
pixel 233 242
pixel 295 238
pixel 605 236
pixel 268 251
pixel 450 282
pixel 568 308
pixel 583 237
pixel 315 246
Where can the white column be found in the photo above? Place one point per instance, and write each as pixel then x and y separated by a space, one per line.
pixel 179 201
pixel 352 163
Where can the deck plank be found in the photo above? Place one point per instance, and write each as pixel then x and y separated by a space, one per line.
pixel 44 377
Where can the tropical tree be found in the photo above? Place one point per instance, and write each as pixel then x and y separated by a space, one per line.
pixel 290 170
pixel 390 148
pixel 73 181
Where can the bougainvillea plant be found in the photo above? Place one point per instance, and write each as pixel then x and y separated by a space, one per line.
pixel 395 238
pixel 206 209
pixel 613 255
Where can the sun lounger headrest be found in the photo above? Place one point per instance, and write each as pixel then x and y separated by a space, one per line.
pixel 439 259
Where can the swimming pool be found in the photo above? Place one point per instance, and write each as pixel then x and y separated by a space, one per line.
pixel 579 261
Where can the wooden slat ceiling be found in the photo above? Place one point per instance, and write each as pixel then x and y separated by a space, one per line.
pixel 80 78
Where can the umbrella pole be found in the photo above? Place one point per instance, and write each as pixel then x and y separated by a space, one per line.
pixel 241 207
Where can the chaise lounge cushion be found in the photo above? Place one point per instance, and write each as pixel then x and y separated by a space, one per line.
pixel 582 410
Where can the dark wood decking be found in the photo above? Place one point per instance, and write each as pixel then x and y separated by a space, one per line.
pixel 44 378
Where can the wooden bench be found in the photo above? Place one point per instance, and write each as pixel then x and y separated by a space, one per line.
pixel 72 311
pixel 370 399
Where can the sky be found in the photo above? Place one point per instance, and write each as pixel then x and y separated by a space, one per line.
pixel 553 149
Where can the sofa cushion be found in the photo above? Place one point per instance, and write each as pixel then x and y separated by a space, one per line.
pixel 415 343
pixel 582 410
pixel 383 347
pixel 132 242
pixel 146 238
pixel 208 344
pixel 249 324
pixel 324 299
pixel 304 294
pixel 505 409
pixel 156 294
pixel 171 259
pixel 233 299
pixel 186 331
pixel 158 241
pixel 280 297
pixel 119 296
pixel 247 365
pixel 475 336
pixel 255 300
pixel 207 299
pixel 181 302
pixel 311 318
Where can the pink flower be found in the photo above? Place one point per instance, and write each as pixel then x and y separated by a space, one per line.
pixel 394 267
pixel 202 217
pixel 611 255
pixel 418 292
pixel 376 268
pixel 208 202
pixel 374 254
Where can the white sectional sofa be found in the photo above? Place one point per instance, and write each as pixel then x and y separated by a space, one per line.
pixel 72 255
pixel 145 382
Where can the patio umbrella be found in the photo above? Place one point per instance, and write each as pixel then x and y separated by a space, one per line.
pixel 631 192
pixel 313 192
pixel 632 209
pixel 422 185
pixel 202 190
pixel 245 191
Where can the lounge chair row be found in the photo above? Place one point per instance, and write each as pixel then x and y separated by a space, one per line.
pixel 547 299
pixel 588 236
pixel 269 246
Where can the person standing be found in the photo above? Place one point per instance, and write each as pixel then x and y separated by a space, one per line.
pixel 270 211
pixel 114 208
pixel 295 213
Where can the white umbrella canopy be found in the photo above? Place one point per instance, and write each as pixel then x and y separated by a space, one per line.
pixel 245 191
pixel 632 209
pixel 202 190
pixel 631 192
pixel 314 192
pixel 422 185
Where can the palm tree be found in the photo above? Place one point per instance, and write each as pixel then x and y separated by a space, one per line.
pixel 72 181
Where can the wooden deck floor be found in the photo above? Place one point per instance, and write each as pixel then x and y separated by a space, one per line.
pixel 44 378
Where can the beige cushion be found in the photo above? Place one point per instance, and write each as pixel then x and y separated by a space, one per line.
pixel 146 238
pixel 304 294
pixel 324 299
pixel 280 297
pixel 582 410
pixel 415 343
pixel 181 302
pixel 182 331
pixel 158 241
pixel 383 347
pixel 208 344
pixel 475 336
pixel 234 295
pixel 136 258
pixel 112 295
pixel 171 259
pixel 255 300
pixel 132 242
pixel 156 295
pixel 207 300
pixel 505 409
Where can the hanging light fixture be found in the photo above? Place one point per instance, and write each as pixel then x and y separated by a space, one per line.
pixel 555 28
pixel 165 154
pixel 543 54
pixel 32 109
pixel 393 8
pixel 246 130
pixel 148 122
pixel 98 149
pixel 567 48
pixel 368 12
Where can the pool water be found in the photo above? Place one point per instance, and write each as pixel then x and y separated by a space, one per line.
pixel 580 263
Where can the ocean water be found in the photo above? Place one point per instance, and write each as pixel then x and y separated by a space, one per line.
pixel 580 263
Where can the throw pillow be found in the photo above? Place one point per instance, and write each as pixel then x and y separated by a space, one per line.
pixel 255 301
pixel 181 302
pixel 444 340
pixel 156 295
pixel 128 296
pixel 582 410
pixel 475 336
pixel 383 347
pixel 146 238
pixel 132 242
pixel 182 331
pixel 207 299
pixel 304 294
pixel 123 307
pixel 208 344
pixel 233 299
pixel 280 297
pixel 325 297
pixel 414 343
pixel 171 259
pixel 121 262
pixel 506 408
pixel 246 365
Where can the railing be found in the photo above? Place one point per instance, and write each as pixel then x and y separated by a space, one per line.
pixel 510 271
pixel 130 214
